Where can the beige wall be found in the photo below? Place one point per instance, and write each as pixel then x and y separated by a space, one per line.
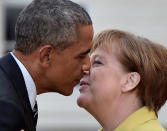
pixel 144 17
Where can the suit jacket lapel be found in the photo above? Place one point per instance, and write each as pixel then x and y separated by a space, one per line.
pixel 10 67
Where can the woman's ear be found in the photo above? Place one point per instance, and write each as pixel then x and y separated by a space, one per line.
pixel 130 81
pixel 45 53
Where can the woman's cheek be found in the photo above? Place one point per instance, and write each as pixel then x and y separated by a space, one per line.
pixel 95 77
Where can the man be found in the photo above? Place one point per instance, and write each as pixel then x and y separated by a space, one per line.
pixel 53 39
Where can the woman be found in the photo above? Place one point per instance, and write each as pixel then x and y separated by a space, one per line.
pixel 127 82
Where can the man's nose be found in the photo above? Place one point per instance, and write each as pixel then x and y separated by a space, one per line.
pixel 86 65
pixel 86 73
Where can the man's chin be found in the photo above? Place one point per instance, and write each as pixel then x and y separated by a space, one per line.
pixel 66 92
pixel 70 89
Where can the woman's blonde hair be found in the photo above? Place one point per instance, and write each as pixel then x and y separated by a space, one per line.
pixel 138 54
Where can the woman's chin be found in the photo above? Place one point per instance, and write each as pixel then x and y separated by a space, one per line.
pixel 81 101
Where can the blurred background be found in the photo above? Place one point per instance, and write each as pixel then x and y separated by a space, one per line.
pixel 143 17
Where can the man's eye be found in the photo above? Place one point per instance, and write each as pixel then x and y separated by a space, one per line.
pixel 82 56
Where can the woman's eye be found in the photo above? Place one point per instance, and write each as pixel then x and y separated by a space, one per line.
pixel 97 62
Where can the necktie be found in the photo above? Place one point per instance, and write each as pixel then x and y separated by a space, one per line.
pixel 35 113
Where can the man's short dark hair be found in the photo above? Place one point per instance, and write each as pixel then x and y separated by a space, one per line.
pixel 53 22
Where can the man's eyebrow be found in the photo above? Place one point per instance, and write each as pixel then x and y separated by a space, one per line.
pixel 86 52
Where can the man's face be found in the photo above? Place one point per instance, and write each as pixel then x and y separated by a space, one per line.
pixel 67 66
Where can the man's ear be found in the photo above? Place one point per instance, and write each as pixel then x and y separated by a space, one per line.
pixel 45 55
pixel 130 81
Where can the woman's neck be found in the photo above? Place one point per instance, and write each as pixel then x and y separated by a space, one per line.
pixel 111 116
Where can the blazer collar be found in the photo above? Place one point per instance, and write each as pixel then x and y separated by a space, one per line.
pixel 137 118
pixel 10 67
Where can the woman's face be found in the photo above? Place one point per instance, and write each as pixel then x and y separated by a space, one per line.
pixel 102 85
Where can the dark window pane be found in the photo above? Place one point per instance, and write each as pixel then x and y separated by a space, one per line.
pixel 11 17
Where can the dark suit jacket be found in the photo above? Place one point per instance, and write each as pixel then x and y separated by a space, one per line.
pixel 15 108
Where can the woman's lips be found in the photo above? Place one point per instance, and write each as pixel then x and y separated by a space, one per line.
pixel 83 85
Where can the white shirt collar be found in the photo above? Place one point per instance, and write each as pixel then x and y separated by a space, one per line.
pixel 30 85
